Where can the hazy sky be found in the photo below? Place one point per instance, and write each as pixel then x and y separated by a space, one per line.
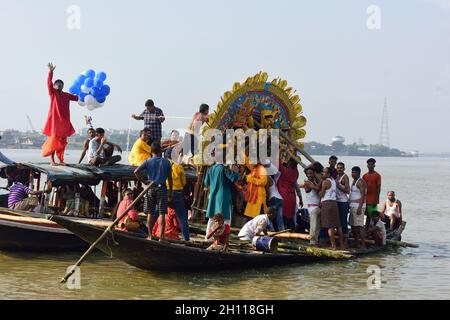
pixel 184 53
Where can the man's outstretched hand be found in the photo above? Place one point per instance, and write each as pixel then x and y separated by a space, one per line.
pixel 51 67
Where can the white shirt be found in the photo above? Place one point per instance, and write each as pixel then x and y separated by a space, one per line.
pixel 341 196
pixel 273 190
pixel 92 151
pixel 251 228
pixel 355 195
pixel 392 210
pixel 312 198
pixel 330 194
pixel 380 224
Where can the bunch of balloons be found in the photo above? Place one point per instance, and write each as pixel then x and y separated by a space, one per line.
pixel 91 89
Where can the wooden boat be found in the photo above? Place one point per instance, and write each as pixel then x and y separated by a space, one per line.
pixel 181 256
pixel 32 232
pixel 20 230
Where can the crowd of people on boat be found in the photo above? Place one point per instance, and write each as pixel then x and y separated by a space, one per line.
pixel 334 204
pixel 268 202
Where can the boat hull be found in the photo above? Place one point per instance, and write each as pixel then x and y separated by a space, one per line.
pixel 165 257
pixel 36 236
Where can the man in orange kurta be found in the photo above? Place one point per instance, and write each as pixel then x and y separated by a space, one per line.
pixel 58 126
pixel 256 191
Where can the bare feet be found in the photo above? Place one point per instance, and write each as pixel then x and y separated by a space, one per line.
pixel 53 164
pixel 62 164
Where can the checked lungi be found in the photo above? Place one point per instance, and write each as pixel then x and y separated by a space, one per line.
pixel 155 201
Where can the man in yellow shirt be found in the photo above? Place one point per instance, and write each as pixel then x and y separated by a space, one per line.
pixel 178 203
pixel 141 149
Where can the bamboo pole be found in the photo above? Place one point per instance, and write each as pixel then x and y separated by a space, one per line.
pixel 318 252
pixel 297 236
pixel 108 229
pixel 293 156
pixel 291 142
pixel 297 147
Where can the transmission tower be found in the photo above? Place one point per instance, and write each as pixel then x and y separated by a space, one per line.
pixel 384 133
pixel 30 124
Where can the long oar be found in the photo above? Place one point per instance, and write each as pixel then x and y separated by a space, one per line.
pixel 92 247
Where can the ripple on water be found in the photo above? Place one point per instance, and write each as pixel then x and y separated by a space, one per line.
pixel 407 273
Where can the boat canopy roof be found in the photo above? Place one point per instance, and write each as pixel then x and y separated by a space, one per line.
pixel 83 174
pixel 86 174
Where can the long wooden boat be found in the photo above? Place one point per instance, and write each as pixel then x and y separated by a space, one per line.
pixel 180 256
pixel 33 232
pixel 28 231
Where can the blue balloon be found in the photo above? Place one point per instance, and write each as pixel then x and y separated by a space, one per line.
pixel 98 83
pixel 90 73
pixel 95 91
pixel 80 80
pixel 82 96
pixel 74 89
pixel 101 76
pixel 100 99
pixel 89 82
pixel 106 90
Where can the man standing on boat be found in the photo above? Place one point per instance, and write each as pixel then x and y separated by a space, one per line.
pixel 312 187
pixel 219 180
pixel 373 181
pixel 191 139
pixel 58 126
pixel 159 170
pixel 332 161
pixel 358 206
pixel 329 211
pixel 342 191
pixel 153 118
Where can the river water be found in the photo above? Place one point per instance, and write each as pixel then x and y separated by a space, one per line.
pixel 422 184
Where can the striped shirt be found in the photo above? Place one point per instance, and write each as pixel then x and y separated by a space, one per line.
pixel 17 193
pixel 151 123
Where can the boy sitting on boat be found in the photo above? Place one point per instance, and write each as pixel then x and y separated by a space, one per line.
pixel 377 229
pixel 19 196
pixel 101 150
pixel 221 233
pixel 131 222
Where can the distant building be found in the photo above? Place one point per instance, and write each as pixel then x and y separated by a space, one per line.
pixel 337 143
pixel 338 139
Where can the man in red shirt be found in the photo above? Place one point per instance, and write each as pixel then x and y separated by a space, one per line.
pixel 373 181
pixel 58 126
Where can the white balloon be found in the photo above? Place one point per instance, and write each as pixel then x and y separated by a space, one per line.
pixel 81 103
pixel 91 107
pixel 100 105
pixel 85 89
pixel 90 100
